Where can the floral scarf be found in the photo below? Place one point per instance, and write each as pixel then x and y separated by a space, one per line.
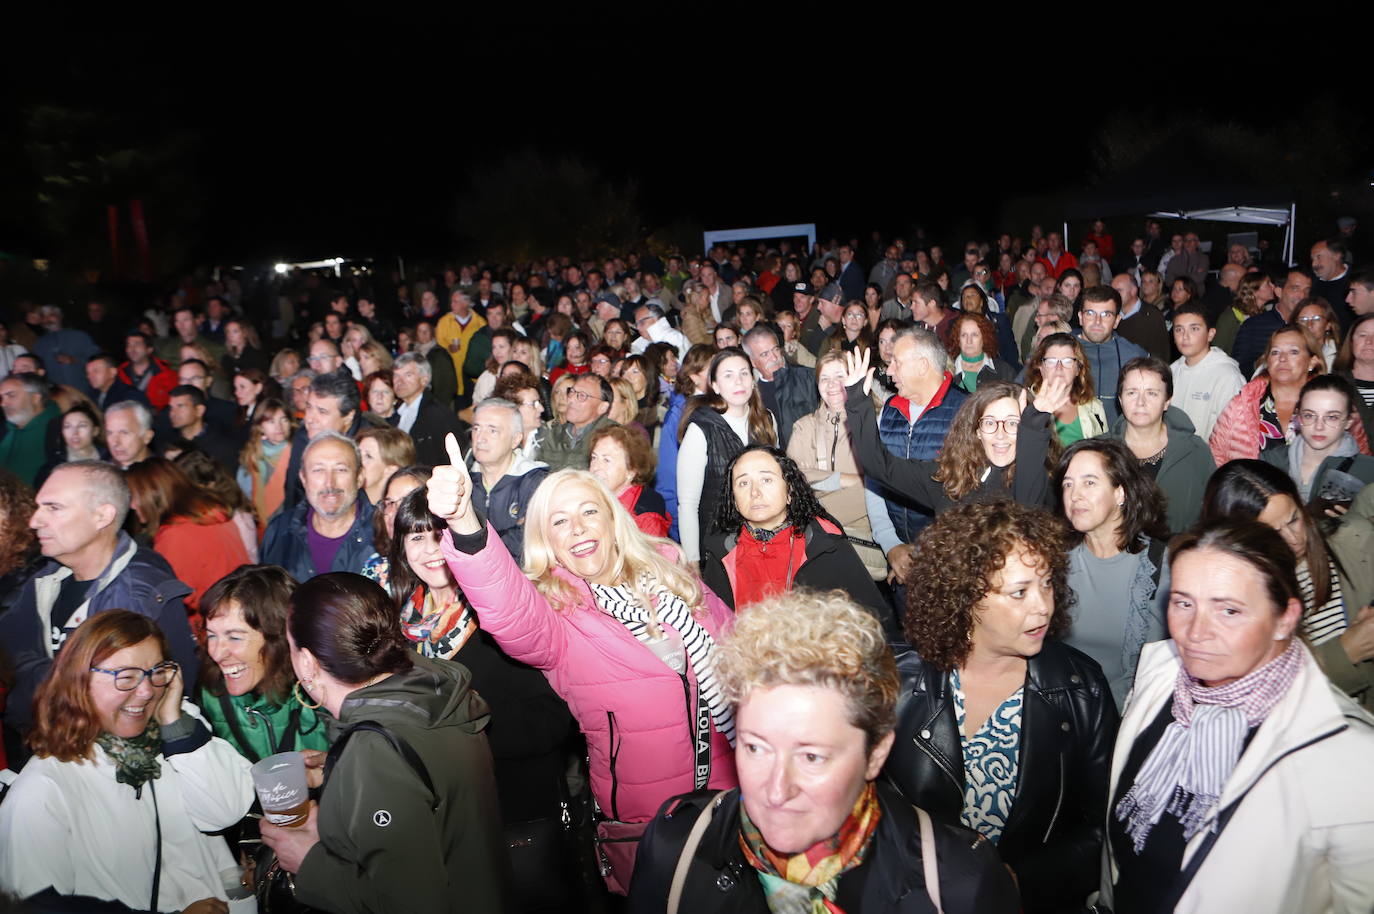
pixel 806 883
pixel 135 758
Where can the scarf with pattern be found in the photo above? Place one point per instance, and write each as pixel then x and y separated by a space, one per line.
pixel 135 758
pixel 1187 769
pixel 806 882
pixel 438 630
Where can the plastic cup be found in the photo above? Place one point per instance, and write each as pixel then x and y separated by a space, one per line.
pixel 280 782
pixel 232 879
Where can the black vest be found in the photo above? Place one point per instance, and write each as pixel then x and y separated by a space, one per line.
pixel 722 444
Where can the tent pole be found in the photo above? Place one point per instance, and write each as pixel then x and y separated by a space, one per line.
pixel 1292 232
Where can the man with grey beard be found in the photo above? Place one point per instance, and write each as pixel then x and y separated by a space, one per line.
pixel 331 530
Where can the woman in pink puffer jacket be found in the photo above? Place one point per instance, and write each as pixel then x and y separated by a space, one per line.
pixel 623 631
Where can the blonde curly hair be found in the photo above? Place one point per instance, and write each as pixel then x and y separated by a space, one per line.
pixel 814 638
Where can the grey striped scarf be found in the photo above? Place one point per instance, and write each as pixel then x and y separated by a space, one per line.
pixel 1187 769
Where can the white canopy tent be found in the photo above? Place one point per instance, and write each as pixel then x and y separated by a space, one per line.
pixel 1249 215
pixel 724 236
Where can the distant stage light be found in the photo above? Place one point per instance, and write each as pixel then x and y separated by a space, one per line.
pixel 282 267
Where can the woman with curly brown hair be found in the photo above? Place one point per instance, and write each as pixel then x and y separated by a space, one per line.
pixel 1001 727
pixel 1060 355
pixel 993 431
pixel 18 542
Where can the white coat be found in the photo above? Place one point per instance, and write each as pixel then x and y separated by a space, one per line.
pixel 72 826
pixel 1302 838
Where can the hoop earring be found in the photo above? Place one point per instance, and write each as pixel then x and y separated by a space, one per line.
pixel 296 693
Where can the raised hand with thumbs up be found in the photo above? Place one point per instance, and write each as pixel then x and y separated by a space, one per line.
pixel 450 492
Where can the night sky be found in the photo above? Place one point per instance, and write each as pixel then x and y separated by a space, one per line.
pixel 356 140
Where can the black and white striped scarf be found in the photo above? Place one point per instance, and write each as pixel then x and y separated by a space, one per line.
pixel 626 606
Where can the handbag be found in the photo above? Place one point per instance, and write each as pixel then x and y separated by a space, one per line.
pixel 616 846
pixel 541 852
pixel 871 554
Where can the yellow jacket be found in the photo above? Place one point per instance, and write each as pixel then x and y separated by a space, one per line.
pixel 449 331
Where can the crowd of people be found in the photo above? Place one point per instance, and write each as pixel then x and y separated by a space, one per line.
pixel 851 579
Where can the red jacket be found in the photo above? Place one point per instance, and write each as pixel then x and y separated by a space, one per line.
pixel 160 385
pixel 1066 262
pixel 1106 248
pixel 651 521
pixel 566 368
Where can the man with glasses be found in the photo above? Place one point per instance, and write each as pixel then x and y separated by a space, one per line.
pixel 789 391
pixel 1106 351
pixel 220 413
pixel 93 566
pixel 653 327
pixel 568 444
pixel 324 356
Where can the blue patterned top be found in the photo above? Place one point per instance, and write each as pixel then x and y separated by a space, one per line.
pixel 991 759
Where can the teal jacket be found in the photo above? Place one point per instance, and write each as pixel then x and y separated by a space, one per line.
pixel 287 727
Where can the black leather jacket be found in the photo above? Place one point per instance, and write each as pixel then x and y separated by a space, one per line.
pixel 1053 837
pixel 890 881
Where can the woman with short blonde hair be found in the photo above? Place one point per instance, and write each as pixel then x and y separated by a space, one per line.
pixel 810 827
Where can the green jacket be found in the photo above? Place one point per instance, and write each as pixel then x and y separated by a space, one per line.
pixel 384 845
pixel 1184 471
pixel 23 451
pixel 288 727
pixel 559 449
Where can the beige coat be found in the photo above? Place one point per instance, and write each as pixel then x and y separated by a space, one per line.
pixel 814 439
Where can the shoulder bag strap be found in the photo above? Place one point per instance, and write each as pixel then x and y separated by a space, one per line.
pixel 403 748
pixel 231 718
pixel 684 860
pixel 157 864
pixel 928 861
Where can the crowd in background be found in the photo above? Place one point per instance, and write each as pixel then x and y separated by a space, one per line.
pixel 1071 547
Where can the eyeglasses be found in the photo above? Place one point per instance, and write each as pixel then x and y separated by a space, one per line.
pixel 320 358
pixel 1067 361
pixel 1309 418
pixel 1097 315
pixel 128 678
pixel 1312 319
pixel 601 360
pixel 582 396
pixel 989 426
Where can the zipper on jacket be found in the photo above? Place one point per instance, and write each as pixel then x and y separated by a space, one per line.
pixel 614 753
pixel 691 724
pixel 1058 803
